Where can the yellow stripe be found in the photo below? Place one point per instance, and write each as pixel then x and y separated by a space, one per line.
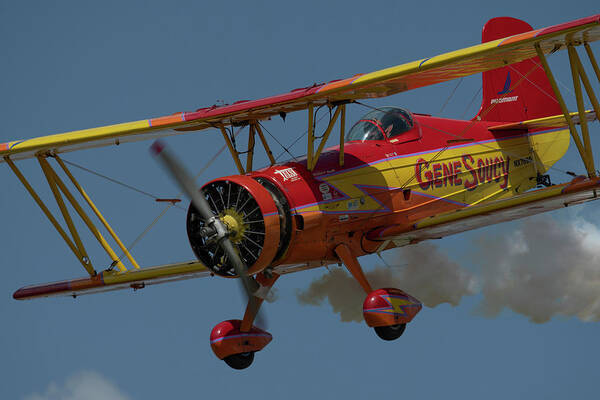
pixel 426 64
pixel 150 273
pixel 491 207
pixel 554 121
pixel 69 138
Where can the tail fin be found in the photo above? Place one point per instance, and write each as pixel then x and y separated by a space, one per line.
pixel 516 92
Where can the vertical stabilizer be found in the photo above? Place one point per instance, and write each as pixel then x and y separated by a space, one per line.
pixel 517 92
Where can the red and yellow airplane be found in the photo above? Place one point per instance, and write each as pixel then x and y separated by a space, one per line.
pixel 396 178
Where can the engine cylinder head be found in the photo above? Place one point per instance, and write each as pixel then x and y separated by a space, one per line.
pixel 251 217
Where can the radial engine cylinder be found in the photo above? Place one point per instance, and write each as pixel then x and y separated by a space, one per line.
pixel 255 216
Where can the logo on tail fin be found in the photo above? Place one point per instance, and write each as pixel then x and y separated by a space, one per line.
pixel 506 85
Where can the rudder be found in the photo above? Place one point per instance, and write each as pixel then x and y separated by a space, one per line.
pixel 519 91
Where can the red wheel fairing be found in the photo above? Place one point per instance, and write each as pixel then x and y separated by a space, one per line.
pixel 226 339
pixel 389 306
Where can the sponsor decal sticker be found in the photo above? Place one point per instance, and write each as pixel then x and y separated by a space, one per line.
pixel 480 170
pixel 506 88
pixel 504 100
pixel 325 191
pixel 353 204
pixel 288 174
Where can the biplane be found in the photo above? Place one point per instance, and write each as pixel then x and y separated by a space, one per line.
pixel 396 177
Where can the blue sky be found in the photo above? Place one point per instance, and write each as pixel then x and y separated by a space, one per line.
pixel 73 65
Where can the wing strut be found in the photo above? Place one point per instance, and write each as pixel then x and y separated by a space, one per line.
pixel 97 212
pixel 590 54
pixel 312 156
pixel 253 130
pixel 85 263
pixel 579 76
pixel 54 187
pixel 59 189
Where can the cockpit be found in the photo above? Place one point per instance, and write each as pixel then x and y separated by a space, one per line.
pixel 380 123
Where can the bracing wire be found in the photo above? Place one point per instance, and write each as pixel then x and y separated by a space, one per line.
pixel 286 150
pixel 471 102
pixel 464 131
pixel 164 211
pixel 451 94
pixel 113 180
pixel 472 123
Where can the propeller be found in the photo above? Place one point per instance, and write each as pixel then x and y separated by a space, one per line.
pixel 214 229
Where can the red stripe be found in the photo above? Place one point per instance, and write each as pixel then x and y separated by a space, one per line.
pixel 571 24
pixel 252 104
pixel 61 287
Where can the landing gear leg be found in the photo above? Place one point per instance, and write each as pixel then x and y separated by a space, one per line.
pixel 253 307
pixel 351 263
pixel 386 310
pixel 236 341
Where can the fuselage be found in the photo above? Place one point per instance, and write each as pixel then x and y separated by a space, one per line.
pixel 437 166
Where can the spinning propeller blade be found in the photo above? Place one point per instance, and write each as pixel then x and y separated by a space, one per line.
pixel 188 186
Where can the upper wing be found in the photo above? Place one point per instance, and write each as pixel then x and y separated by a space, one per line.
pixel 428 71
pixel 578 191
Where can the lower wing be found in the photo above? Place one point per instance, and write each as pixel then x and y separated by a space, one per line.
pixel 579 190
pixel 135 279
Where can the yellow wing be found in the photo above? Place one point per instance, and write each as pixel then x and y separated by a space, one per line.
pixel 428 71
pixel 110 280
pixel 579 190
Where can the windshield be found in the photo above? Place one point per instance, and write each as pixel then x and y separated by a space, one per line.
pixel 379 123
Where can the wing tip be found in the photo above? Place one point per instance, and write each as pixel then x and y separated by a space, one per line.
pixel 29 292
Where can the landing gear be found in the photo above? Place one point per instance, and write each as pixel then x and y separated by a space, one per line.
pixel 386 310
pixel 240 361
pixel 391 332
pixel 235 341
pixel 235 345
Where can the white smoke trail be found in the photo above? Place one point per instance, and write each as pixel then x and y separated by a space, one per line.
pixel 428 275
pixel 541 269
pixel 545 268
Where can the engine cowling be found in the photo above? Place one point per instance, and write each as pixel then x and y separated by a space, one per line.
pixel 254 216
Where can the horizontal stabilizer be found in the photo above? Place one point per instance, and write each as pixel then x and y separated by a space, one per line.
pixel 554 121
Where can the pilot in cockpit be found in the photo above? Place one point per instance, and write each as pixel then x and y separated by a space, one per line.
pixel 381 123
